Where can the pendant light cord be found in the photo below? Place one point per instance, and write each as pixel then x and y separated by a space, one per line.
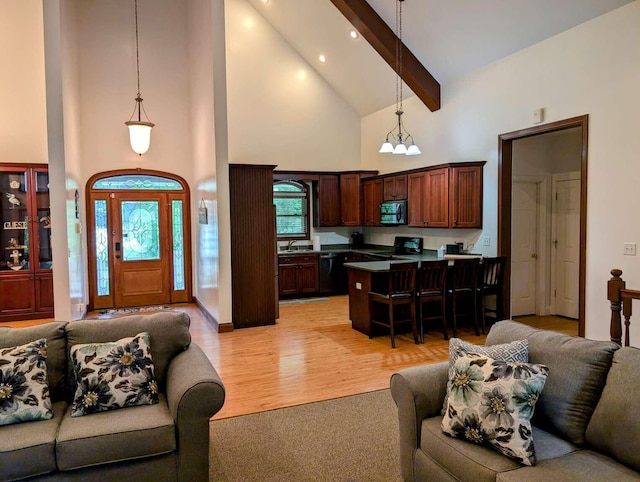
pixel 137 53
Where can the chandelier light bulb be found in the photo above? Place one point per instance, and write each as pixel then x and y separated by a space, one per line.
pixel 400 149
pixel 386 147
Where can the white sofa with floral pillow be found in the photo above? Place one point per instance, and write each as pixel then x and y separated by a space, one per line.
pixel 583 395
pixel 127 398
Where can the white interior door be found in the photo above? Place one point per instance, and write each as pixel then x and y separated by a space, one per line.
pixel 524 233
pixel 566 244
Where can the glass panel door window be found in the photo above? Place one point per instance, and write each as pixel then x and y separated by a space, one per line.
pixel 140 231
pixel 14 221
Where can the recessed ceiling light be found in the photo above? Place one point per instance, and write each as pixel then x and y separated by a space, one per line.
pixel 265 1
pixel 322 58
pixel 353 34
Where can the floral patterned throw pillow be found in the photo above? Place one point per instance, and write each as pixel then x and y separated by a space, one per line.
pixel 24 389
pixel 515 351
pixel 113 375
pixel 492 401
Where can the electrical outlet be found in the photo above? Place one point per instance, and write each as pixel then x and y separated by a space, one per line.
pixel 629 249
pixel 486 241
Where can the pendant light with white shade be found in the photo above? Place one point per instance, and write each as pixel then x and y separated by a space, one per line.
pixel 139 130
pixel 399 133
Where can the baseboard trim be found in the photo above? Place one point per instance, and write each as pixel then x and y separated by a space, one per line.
pixel 220 327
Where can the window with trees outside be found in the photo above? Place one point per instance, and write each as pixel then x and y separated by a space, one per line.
pixel 291 199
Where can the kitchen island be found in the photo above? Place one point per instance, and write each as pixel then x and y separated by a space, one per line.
pixel 364 277
pixel 371 276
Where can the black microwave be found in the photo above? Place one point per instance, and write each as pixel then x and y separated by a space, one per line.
pixel 393 213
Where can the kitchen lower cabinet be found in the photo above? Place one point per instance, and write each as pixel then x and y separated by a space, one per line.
pixel 298 274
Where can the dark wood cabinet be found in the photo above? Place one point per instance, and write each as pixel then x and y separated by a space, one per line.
pixel 26 276
pixel 446 197
pixel 395 188
pixel 253 246
pixel 298 274
pixel 465 185
pixel 326 200
pixel 372 197
pixel 350 200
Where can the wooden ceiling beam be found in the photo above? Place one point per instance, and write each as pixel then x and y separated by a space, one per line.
pixel 375 31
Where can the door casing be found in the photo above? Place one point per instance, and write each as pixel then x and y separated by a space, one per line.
pixel 505 174
pixel 96 302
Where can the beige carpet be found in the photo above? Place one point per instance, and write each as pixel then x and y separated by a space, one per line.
pixel 345 439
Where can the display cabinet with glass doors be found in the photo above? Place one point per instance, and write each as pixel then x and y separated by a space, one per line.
pixel 26 276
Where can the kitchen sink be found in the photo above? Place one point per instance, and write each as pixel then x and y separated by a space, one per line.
pixel 294 251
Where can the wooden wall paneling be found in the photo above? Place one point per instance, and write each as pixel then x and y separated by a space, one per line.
pixel 253 245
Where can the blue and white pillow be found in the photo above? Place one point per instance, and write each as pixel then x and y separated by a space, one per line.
pixel 492 402
pixel 113 375
pixel 515 351
pixel 24 388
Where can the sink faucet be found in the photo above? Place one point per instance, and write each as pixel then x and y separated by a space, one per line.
pixel 290 244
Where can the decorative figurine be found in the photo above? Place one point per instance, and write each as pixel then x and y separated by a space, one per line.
pixel 13 200
pixel 14 184
pixel 17 264
pixel 47 221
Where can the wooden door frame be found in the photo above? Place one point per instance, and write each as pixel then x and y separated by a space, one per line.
pixel 505 174
pixel 186 221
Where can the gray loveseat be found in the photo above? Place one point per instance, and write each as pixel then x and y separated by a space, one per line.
pixel 165 441
pixel 586 424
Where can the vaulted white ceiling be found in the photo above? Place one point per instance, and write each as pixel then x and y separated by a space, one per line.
pixel 451 38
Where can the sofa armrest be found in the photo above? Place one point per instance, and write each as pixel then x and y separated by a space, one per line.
pixel 419 393
pixel 194 394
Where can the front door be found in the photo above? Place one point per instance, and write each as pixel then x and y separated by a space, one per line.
pixel 141 247
pixel 138 238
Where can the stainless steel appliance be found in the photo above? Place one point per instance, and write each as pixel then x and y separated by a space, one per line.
pixel 393 213
pixel 404 245
pixel 332 274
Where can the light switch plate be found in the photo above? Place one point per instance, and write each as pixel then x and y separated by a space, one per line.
pixel 629 249
pixel 486 241
pixel 358 285
pixel 538 116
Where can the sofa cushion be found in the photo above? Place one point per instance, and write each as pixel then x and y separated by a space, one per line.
pixel 24 390
pixel 577 373
pixel 579 466
pixel 115 436
pixel 54 333
pixel 113 375
pixel 28 449
pixel 481 463
pixel 168 332
pixel 492 402
pixel 614 428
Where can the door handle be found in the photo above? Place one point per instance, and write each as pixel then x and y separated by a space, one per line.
pixel 534 255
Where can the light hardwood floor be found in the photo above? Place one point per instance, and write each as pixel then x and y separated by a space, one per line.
pixel 312 354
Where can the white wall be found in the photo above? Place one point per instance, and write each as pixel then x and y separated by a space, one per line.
pixel 280 110
pixel 23 121
pixel 592 69
pixel 107 64
pixel 208 112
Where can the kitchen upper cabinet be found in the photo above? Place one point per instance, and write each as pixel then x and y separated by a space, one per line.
pixel 428 204
pixel 26 276
pixel 465 210
pixel 327 201
pixel 395 188
pixel 448 197
pixel 298 274
pixel 372 193
pixel 350 200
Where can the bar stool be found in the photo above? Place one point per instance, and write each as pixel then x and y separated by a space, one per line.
pixel 402 287
pixel 432 285
pixel 465 288
pixel 491 283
